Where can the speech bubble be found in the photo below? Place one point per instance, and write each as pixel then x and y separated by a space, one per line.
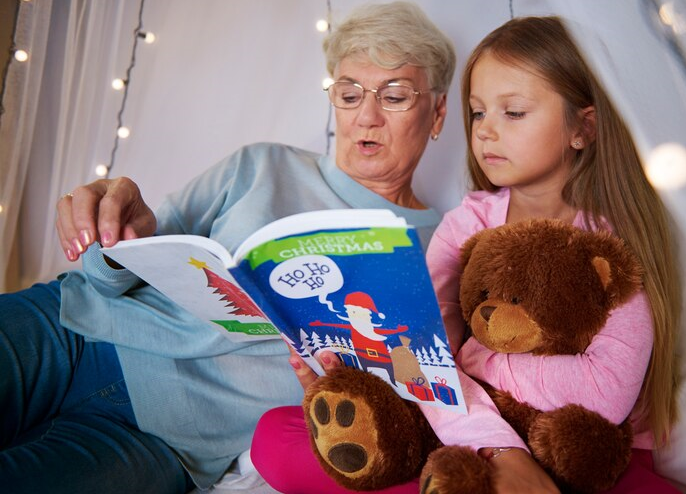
pixel 307 276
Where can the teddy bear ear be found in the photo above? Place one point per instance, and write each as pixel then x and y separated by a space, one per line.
pixel 469 245
pixel 618 269
pixel 602 267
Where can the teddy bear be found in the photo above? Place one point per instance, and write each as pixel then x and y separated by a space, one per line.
pixel 540 286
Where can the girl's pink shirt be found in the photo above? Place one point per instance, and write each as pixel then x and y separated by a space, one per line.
pixel 606 378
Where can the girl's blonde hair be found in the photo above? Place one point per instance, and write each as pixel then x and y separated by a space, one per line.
pixel 392 35
pixel 606 181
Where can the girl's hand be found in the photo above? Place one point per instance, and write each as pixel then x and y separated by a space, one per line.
pixel 516 472
pixel 307 376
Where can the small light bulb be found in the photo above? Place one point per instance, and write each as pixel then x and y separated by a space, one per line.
pixel 326 82
pixel 123 132
pixel 322 25
pixel 21 55
pixel 1 209
pixel 666 166
pixel 118 84
pixel 102 170
pixel 666 14
pixel 148 37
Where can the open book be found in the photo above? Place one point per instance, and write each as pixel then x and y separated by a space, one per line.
pixel 351 281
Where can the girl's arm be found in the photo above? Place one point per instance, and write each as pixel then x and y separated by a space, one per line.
pixel 607 378
pixel 482 427
pixel 514 471
pixel 442 259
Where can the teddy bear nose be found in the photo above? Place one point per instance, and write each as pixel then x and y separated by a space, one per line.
pixel 486 311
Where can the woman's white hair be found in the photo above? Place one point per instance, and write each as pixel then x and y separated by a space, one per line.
pixel 392 35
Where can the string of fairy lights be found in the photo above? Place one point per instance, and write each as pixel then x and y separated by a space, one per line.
pixel 123 132
pixel 666 167
pixel 123 84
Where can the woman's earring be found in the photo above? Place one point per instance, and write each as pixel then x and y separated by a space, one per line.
pixel 434 137
pixel 577 144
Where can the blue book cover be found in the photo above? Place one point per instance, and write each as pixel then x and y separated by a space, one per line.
pixel 363 293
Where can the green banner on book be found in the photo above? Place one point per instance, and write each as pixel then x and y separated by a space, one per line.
pixel 250 328
pixel 338 243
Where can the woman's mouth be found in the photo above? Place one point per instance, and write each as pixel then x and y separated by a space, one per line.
pixel 368 147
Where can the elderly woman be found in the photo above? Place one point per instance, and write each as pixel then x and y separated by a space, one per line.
pixel 106 385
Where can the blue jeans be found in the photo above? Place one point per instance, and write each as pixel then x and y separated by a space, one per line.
pixel 66 421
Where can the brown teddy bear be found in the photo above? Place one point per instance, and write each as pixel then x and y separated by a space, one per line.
pixel 539 286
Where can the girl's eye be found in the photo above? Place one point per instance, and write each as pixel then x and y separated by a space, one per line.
pixel 478 115
pixel 515 115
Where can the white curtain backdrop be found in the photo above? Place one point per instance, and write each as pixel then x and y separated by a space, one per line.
pixel 22 88
pixel 74 119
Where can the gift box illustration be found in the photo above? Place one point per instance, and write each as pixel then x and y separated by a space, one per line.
pixel 443 392
pixel 416 388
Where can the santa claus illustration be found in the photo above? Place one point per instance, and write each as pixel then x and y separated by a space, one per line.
pixel 367 337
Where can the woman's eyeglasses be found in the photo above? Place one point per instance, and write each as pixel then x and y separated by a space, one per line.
pixel 392 97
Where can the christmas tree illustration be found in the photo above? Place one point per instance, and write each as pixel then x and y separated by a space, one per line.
pixel 237 301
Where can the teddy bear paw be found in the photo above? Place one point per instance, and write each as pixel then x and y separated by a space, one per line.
pixel 364 435
pixel 580 448
pixel 456 470
pixel 337 423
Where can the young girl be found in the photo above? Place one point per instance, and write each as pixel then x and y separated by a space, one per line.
pixel 544 140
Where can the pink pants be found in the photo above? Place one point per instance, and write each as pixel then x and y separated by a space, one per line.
pixel 282 454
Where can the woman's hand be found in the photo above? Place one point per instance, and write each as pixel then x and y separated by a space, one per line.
pixel 516 472
pixel 107 211
pixel 307 376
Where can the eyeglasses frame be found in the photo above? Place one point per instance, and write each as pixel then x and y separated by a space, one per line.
pixel 415 94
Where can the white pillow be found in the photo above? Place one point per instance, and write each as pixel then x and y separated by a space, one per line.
pixel 242 478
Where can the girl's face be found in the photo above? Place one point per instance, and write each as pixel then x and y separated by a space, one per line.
pixel 519 136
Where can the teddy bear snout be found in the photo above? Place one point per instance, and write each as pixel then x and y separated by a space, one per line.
pixel 487 311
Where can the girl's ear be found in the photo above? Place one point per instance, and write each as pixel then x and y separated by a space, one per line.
pixel 586 133
pixel 588 124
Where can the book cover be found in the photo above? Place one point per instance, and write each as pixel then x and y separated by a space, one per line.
pixel 362 292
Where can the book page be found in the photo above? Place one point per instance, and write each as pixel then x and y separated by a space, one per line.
pixel 207 244
pixel 190 270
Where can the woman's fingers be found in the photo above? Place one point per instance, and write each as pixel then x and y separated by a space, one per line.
pixel 307 376
pixel 329 361
pixel 122 213
pixel 106 211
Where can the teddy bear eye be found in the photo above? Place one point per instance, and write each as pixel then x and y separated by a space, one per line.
pixel 485 294
pixel 516 300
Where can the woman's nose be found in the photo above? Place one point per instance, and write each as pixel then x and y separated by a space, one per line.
pixel 370 112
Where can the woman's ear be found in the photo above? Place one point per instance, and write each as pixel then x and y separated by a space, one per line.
pixel 440 111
